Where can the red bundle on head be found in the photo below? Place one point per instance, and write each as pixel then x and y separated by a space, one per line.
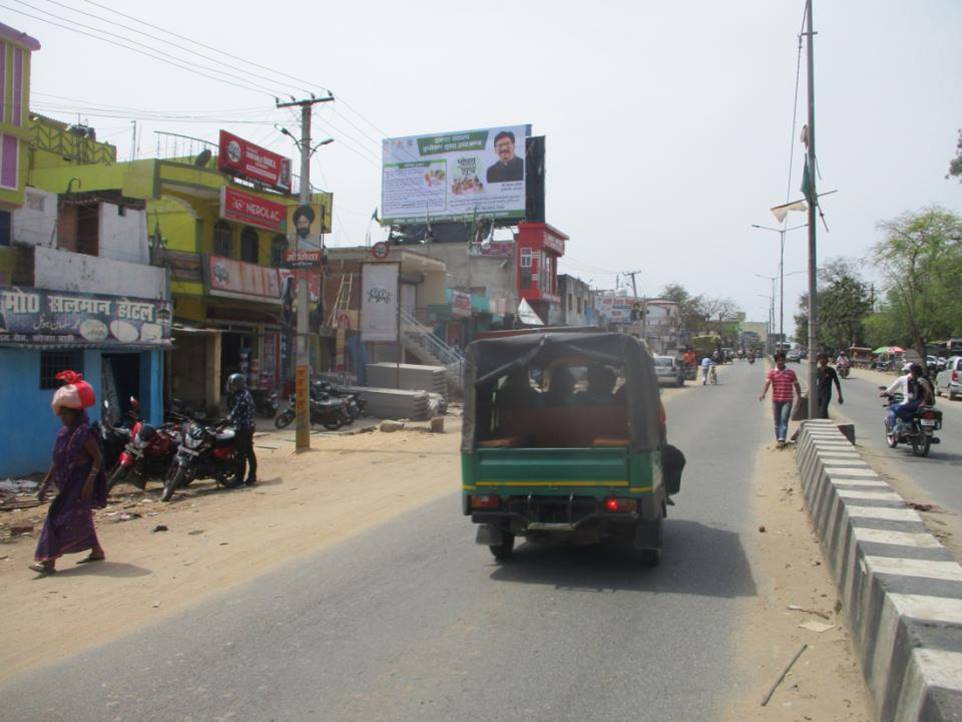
pixel 85 392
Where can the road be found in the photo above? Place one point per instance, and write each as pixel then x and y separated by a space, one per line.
pixel 411 620
pixel 939 474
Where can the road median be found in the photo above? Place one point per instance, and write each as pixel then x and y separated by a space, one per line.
pixel 900 588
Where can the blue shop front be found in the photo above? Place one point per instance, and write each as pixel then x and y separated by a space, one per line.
pixel 116 342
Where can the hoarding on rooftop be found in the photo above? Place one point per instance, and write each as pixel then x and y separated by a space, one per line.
pixel 455 176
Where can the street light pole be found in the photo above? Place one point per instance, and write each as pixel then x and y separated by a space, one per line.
pixel 771 310
pixel 781 271
pixel 812 200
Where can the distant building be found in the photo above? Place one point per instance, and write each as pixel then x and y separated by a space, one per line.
pixel 577 301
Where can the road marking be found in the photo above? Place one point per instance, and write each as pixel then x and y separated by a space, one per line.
pixel 949 571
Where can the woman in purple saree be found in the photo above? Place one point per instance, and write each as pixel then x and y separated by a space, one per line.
pixel 81 487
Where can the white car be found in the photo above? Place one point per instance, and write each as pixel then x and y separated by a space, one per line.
pixel 948 382
pixel 669 370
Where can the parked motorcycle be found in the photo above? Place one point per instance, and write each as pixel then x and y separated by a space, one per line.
pixel 265 402
pixel 205 452
pixel 919 433
pixel 329 411
pixel 148 453
pixel 113 439
pixel 356 406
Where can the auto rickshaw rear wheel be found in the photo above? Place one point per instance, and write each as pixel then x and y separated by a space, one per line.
pixel 504 550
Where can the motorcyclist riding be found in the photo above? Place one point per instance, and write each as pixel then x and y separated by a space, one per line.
pixel 241 417
pixel 915 390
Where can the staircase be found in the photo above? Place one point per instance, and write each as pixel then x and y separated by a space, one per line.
pixel 421 341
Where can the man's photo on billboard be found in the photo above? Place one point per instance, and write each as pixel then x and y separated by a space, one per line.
pixel 509 166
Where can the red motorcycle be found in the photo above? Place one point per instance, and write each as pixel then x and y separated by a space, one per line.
pixel 148 453
pixel 205 452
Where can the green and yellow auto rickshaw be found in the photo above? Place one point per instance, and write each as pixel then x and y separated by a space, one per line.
pixel 564 439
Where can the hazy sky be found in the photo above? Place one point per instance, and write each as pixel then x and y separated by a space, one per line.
pixel 668 123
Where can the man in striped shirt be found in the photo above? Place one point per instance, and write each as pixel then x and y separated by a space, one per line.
pixel 783 381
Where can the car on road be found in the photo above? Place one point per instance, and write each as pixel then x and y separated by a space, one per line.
pixel 794 356
pixel 948 382
pixel 668 370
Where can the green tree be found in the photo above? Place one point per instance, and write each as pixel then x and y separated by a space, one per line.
pixel 690 309
pixel 955 165
pixel 921 257
pixel 844 301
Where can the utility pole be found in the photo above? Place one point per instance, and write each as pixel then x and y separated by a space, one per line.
pixel 644 305
pixel 812 201
pixel 302 372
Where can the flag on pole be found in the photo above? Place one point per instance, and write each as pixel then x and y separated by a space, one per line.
pixel 374 216
pixel 781 211
pixel 807 184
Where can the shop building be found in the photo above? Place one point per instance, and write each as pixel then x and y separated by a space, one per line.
pixel 539 248
pixel 577 301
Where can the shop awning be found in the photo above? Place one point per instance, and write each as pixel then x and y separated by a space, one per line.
pixel 111 348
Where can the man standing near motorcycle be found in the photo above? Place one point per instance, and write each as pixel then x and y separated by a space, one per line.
pixel 825 376
pixel 241 417
pixel 783 381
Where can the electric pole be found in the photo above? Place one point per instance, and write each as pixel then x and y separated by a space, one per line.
pixel 812 201
pixel 644 305
pixel 302 372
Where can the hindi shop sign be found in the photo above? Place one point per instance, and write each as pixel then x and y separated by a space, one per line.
pixel 302 259
pixel 246 208
pixel 36 316
pixel 228 277
pixel 246 160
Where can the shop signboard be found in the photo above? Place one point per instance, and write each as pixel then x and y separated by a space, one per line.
pixel 454 176
pixel 492 249
pixel 236 205
pixel 294 258
pixel 379 301
pixel 460 304
pixel 237 279
pixel 247 160
pixel 37 316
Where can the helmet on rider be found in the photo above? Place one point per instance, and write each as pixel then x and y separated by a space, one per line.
pixel 235 382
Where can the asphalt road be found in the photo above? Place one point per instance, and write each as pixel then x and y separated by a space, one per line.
pixel 940 473
pixel 412 621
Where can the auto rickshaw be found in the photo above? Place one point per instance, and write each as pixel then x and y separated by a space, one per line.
pixel 564 440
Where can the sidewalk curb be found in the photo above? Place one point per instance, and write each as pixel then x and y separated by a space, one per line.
pixel 901 589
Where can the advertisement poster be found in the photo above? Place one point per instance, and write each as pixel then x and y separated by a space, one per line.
pixel 246 208
pixel 247 160
pixel 32 315
pixel 379 301
pixel 454 176
pixel 314 224
pixel 228 277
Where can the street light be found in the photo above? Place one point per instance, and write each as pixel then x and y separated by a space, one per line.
pixel 781 270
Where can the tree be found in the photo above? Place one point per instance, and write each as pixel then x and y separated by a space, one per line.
pixel 921 257
pixel 844 301
pixel 955 164
pixel 689 307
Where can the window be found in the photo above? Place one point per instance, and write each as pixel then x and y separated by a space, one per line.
pixel 526 258
pixel 88 229
pixel 223 239
pixel 53 362
pixel 5 228
pixel 570 302
pixel 278 246
pixel 249 245
pixel 9 161
pixel 579 305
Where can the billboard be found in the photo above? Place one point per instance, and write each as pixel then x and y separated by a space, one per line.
pixel 320 217
pixel 454 176
pixel 246 160
pixel 35 316
pixel 379 301
pixel 247 208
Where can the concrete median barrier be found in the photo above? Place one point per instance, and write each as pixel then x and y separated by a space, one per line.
pixel 900 588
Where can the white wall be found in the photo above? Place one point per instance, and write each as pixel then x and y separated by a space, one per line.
pixel 35 223
pixel 123 237
pixel 57 270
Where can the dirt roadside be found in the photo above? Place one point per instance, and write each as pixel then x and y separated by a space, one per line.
pixel 826 682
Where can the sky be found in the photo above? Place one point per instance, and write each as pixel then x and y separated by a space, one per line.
pixel 668 124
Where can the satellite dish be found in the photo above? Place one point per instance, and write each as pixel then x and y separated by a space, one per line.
pixel 203 158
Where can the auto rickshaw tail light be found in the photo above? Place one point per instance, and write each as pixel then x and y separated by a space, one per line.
pixel 485 501
pixel 623 506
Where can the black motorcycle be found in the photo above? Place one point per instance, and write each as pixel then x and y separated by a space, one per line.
pixel 356 406
pixel 919 433
pixel 113 439
pixel 206 452
pixel 329 411
pixel 265 402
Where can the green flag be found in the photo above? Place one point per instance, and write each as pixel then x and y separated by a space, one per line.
pixel 807 184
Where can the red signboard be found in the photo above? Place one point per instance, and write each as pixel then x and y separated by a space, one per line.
pixel 246 160
pixel 313 282
pixel 246 208
pixel 229 277
pixel 302 259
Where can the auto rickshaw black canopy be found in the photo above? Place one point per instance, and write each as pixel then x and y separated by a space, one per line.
pixel 488 359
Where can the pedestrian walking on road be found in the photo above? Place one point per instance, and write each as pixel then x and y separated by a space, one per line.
pixel 241 417
pixel 783 381
pixel 825 377
pixel 77 473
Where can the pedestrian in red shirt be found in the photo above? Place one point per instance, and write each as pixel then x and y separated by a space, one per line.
pixel 783 381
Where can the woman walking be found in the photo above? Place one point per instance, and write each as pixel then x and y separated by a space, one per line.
pixel 77 473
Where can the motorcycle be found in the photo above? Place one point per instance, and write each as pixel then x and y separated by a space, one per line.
pixel 148 453
pixel 113 439
pixel 328 411
pixel 751 359
pixel 265 402
pixel 356 406
pixel 205 452
pixel 919 433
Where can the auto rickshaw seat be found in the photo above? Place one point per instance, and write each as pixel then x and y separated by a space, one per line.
pixel 567 425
